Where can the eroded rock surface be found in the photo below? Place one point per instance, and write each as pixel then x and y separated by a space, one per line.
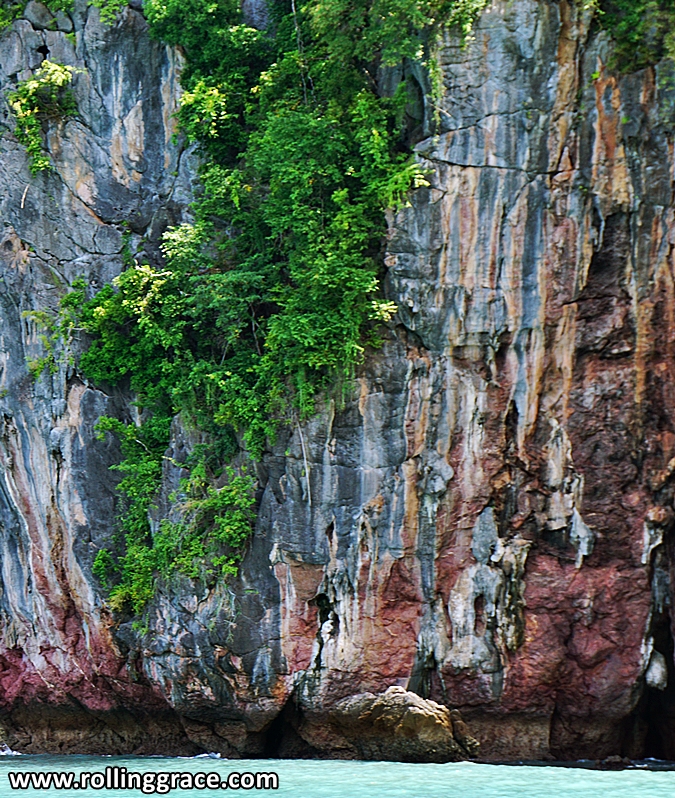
pixel 115 172
pixel 486 523
pixel 400 726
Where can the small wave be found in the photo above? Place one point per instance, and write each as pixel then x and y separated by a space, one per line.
pixel 5 750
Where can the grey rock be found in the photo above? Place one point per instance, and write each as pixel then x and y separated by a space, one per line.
pixel 255 13
pixel 63 22
pixel 114 161
pixel 657 672
pixel 39 16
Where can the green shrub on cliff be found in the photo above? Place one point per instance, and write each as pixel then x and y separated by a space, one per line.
pixel 45 96
pixel 9 11
pixel 643 31
pixel 272 294
pixel 207 543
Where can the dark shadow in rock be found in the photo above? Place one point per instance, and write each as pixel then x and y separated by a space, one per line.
pixel 282 740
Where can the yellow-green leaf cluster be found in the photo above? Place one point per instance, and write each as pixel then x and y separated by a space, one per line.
pixel 39 99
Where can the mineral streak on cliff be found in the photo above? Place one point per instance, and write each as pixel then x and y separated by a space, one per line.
pixel 486 522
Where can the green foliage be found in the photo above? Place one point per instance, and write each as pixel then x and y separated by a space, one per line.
pixel 209 540
pixel 644 31
pixel 9 11
pixel 57 331
pixel 13 9
pixel 43 97
pixel 109 9
pixel 356 30
pixel 60 5
pixel 272 294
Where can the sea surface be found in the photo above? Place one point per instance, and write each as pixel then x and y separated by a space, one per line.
pixel 331 779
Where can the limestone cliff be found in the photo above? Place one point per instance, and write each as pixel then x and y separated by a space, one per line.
pixel 486 522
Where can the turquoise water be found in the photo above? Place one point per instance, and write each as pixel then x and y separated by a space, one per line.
pixel 329 779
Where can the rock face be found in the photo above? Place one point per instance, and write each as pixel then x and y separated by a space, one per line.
pixel 116 172
pixel 400 726
pixel 487 522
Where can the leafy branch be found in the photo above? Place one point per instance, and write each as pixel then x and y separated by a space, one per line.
pixel 44 97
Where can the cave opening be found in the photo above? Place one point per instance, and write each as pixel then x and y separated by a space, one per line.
pixel 282 738
pixel 649 732
pixel 275 734
pixel 658 710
